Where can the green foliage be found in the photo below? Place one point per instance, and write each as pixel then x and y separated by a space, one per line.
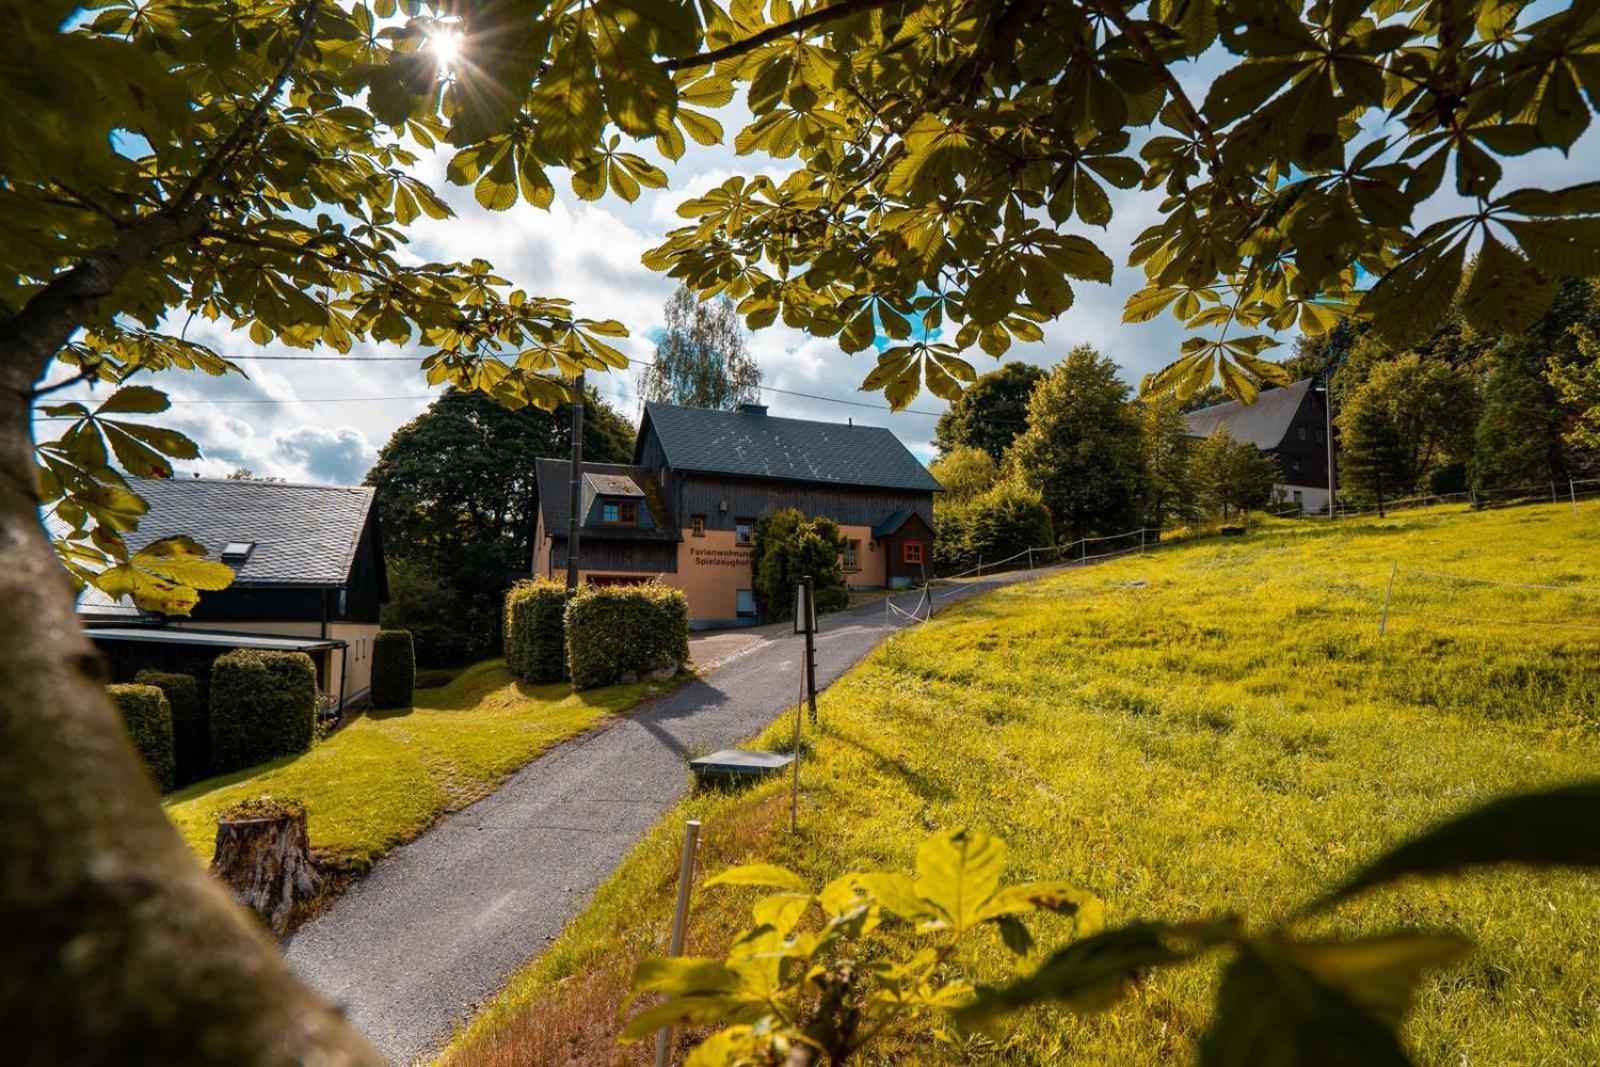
pixel 148 719
pixel 995 525
pixel 964 472
pixel 1169 456
pixel 394 669
pixel 989 413
pixel 263 705
pixel 1577 385
pixel 1515 443
pixel 535 630
pixel 1083 448
pixel 1284 999
pixel 456 488
pixel 422 602
pixel 191 733
pixel 789 546
pixel 625 633
pixel 701 360
pixel 1408 418
pixel 830 985
pixel 1233 474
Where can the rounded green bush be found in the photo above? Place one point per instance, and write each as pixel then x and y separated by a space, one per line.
pixel 535 630
pixel 394 669
pixel 263 705
pixel 625 633
pixel 191 733
pixel 148 719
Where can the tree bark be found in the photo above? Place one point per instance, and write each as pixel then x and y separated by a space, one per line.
pixel 115 945
pixel 266 861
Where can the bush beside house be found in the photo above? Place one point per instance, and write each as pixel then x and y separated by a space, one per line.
pixel 789 546
pixel 997 524
pixel 148 719
pixel 535 630
pixel 191 734
pixel 394 669
pixel 263 705
pixel 625 633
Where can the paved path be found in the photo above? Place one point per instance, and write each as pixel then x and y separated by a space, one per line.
pixel 438 925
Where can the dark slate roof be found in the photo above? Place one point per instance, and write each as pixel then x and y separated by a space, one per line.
pixel 753 445
pixel 1264 423
pixel 303 534
pixel 555 490
pixel 889 525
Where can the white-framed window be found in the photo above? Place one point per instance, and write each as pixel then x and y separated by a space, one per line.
pixel 851 556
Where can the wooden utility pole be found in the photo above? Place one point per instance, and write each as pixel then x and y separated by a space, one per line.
pixel 1327 433
pixel 810 608
pixel 575 500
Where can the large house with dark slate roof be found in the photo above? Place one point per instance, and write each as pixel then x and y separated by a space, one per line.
pixel 1288 424
pixel 684 511
pixel 308 577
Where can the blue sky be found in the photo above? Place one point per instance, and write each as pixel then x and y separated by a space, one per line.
pixel 325 421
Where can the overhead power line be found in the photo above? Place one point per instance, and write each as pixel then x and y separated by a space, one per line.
pixel 430 396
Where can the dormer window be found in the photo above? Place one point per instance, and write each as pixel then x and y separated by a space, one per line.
pixel 620 513
pixel 237 551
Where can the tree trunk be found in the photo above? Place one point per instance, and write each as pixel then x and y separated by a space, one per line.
pixel 266 861
pixel 115 945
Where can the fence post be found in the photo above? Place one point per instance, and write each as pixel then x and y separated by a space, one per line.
pixel 1552 490
pixel 680 921
pixel 1572 491
pixel 1141 540
pixel 1388 594
pixel 1030 559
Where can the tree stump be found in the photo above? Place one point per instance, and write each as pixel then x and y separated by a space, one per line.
pixel 264 855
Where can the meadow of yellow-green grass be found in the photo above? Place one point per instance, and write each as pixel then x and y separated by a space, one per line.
pixel 1206 729
pixel 386 776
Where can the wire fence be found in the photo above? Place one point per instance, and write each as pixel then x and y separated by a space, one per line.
pixel 1570 490
pixel 1415 593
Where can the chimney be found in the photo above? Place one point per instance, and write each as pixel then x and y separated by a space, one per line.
pixel 751 409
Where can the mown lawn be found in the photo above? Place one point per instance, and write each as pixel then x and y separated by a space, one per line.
pixel 1210 728
pixel 386 776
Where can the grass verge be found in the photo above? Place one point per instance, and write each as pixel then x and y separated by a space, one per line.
pixel 382 779
pixel 1211 728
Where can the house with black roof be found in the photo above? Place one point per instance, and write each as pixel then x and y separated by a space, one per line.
pixel 684 511
pixel 1288 424
pixel 309 577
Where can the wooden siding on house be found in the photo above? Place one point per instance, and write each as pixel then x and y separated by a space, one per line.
pixel 1305 462
pixel 751 498
pixel 627 557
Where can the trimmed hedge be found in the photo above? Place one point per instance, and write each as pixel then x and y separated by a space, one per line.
pixel 263 705
pixel 191 734
pixel 626 632
pixel 148 719
pixel 394 669
pixel 535 630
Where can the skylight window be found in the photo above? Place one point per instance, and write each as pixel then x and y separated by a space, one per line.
pixel 238 551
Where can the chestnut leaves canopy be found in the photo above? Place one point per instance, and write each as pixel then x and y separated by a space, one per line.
pixel 939 166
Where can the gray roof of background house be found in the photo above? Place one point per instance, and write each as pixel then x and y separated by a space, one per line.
pixel 553 477
pixel 303 534
pixel 755 445
pixel 1264 423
